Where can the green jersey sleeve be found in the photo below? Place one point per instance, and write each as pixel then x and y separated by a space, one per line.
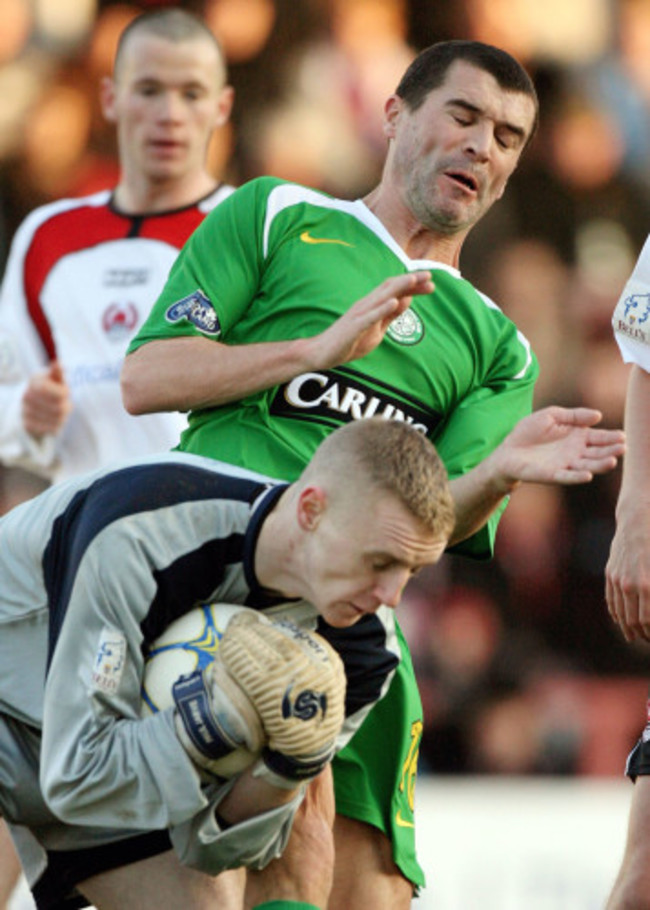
pixel 209 287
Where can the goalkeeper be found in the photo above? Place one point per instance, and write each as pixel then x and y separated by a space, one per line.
pixel 126 812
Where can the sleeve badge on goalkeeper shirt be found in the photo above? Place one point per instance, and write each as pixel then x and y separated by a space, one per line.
pixel 109 661
pixel 197 309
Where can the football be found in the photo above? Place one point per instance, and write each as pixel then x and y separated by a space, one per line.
pixel 188 644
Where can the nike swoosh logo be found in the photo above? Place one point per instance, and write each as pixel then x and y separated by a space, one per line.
pixel 307 238
pixel 401 823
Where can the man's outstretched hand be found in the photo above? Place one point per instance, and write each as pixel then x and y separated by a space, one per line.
pixel 558 445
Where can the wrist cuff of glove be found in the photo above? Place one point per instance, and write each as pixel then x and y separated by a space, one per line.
pixel 208 736
pixel 261 770
pixel 287 772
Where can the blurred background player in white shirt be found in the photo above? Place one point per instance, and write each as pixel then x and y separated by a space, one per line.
pixel 83 272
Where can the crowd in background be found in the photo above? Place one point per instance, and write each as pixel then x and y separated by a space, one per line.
pixel 520 667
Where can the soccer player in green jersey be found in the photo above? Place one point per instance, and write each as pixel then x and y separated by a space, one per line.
pixel 289 313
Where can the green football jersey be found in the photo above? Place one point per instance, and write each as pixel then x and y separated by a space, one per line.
pixel 276 261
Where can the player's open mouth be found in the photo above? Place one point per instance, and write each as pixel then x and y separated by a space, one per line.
pixel 464 179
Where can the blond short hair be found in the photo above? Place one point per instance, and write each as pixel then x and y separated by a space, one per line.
pixel 391 457
pixel 175 25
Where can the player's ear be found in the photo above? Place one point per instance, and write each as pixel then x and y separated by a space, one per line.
pixel 392 111
pixel 224 105
pixel 312 503
pixel 107 98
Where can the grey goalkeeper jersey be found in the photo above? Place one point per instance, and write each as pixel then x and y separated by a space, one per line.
pixel 91 572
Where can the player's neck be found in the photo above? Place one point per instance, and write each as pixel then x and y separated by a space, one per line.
pixel 135 197
pixel 417 241
pixel 277 552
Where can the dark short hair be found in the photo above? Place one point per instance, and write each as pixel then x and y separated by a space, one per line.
pixel 429 70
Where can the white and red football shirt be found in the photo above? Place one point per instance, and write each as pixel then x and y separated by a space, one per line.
pixel 81 278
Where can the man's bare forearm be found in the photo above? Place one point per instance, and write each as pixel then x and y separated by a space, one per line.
pixel 554 445
pixel 182 374
pixel 634 495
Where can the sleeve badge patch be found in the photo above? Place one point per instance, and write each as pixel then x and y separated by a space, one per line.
pixel 197 309
pixel 109 661
pixel 632 312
